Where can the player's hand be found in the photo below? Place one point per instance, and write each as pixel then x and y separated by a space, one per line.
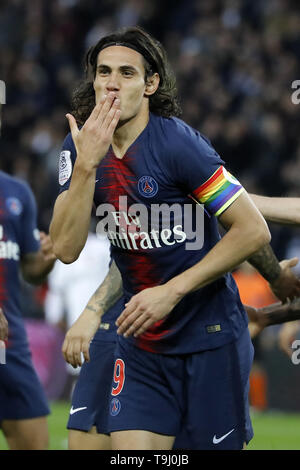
pixel 287 335
pixel 94 138
pixel 287 285
pixel 79 336
pixel 46 247
pixel 3 326
pixel 144 309
pixel 255 324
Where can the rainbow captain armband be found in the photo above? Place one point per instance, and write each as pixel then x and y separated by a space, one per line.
pixel 219 191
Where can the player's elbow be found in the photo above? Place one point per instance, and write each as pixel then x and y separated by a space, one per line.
pixel 64 249
pixel 260 237
pixel 65 253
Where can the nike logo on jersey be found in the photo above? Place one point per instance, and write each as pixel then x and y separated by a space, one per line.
pixel 217 440
pixel 75 410
pixel 96 181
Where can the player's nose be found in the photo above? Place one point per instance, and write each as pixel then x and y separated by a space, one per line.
pixel 113 83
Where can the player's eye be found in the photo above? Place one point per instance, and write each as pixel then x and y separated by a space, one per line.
pixel 103 72
pixel 127 73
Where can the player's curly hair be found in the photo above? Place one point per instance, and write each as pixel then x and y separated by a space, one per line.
pixel 163 102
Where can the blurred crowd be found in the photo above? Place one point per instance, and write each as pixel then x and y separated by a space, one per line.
pixel 235 61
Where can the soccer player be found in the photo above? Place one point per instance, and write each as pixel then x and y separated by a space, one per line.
pixel 88 420
pixel 183 336
pixel 23 405
pixel 282 210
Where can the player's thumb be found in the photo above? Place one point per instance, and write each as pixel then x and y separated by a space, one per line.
pixel 293 262
pixel 73 125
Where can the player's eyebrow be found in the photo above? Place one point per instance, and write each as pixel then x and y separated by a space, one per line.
pixel 122 68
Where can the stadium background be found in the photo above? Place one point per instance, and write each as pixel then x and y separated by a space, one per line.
pixel 235 61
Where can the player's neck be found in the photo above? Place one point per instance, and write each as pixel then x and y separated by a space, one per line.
pixel 128 132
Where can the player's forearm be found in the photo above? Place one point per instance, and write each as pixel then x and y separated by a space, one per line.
pixel 266 263
pixel 71 218
pixel 107 293
pixel 35 268
pixel 278 209
pixel 276 314
pixel 236 246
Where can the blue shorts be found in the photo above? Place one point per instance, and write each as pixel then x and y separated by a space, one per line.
pixel 21 392
pixel 205 394
pixel 91 395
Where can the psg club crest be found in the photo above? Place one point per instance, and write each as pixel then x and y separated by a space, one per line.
pixel 147 186
pixel 14 205
pixel 115 407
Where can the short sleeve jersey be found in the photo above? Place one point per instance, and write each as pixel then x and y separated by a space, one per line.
pixel 18 236
pixel 159 205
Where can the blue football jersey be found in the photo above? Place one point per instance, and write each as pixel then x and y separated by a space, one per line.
pixel 18 236
pixel 148 202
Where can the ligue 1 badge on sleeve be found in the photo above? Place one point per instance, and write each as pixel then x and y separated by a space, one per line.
pixel 2 352
pixel 65 166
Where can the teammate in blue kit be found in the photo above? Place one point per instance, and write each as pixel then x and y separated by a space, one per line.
pixel 23 405
pixel 183 353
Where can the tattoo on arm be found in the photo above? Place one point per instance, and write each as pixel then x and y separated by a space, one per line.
pixel 266 263
pixel 90 307
pixel 278 313
pixel 108 292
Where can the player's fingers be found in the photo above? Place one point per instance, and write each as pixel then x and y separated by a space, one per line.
pixel 132 322
pixel 285 344
pixel 73 126
pixel 46 244
pixel 86 351
pixel 115 106
pixel 3 332
pixel 76 353
pixel 96 110
pixel 3 326
pixel 131 306
pixel 136 325
pixel 113 123
pixel 69 353
pixel 289 263
pixel 293 262
pixel 144 327
pixel 105 108
pixel 64 349
pixel 128 321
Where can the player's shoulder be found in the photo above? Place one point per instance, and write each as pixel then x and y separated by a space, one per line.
pixel 177 134
pixel 15 186
pixel 68 144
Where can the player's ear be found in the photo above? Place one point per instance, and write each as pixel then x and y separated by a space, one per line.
pixel 152 84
